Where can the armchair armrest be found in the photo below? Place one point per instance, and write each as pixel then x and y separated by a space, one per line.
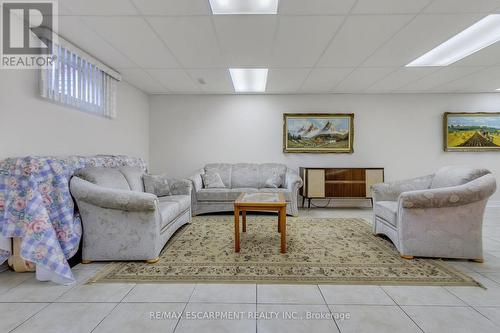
pixel 476 190
pixel 292 179
pixel 391 191
pixel 112 198
pixel 180 186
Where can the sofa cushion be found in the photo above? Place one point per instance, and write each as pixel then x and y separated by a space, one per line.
pixel 106 177
pixel 456 175
pixel 171 207
pixel 212 180
pixel 273 182
pixel 156 184
pixel 221 194
pixel 388 210
pixel 134 178
pixel 224 171
pixel 184 201
pixel 286 192
pixel 272 171
pixel 245 175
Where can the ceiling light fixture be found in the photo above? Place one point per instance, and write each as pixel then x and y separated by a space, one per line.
pixel 476 37
pixel 249 80
pixel 232 7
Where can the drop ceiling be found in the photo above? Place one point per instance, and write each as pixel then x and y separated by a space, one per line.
pixel 311 46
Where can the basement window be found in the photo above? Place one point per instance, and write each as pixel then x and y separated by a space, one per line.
pixel 78 80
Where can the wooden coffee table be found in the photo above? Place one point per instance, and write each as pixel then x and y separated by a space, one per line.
pixel 259 201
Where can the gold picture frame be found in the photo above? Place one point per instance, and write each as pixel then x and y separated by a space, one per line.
pixel 318 133
pixel 471 131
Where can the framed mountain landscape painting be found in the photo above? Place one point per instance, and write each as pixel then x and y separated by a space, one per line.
pixel 318 132
pixel 478 131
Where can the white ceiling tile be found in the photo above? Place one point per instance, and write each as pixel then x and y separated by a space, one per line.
pixel 315 7
pixel 99 7
pixel 216 80
pixel 389 6
pixel 359 37
pixel 324 79
pixel 191 39
pixel 485 80
pixel 401 77
pixel 173 7
pixel 423 34
pixel 462 6
pixel 142 80
pixel 246 40
pixel 438 78
pixel 301 40
pixel 175 80
pixel 74 30
pixel 368 54
pixel 362 78
pixel 286 80
pixel 134 38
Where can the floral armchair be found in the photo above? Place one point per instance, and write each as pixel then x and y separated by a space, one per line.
pixel 439 215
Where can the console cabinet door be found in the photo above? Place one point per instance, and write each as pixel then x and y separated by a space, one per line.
pixel 374 176
pixel 316 183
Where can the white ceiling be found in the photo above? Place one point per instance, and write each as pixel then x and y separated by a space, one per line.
pixel 311 46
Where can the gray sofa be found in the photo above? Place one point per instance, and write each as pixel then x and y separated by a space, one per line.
pixel 439 215
pixel 242 177
pixel 121 221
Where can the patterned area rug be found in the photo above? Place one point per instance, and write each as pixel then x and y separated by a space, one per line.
pixel 320 251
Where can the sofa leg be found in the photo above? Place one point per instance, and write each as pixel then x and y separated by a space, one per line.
pixel 153 261
pixel 85 262
pixel 406 257
pixel 478 260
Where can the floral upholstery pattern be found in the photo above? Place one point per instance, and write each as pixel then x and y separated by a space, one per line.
pixel 456 175
pixel 35 204
pixel 391 191
pixel 476 190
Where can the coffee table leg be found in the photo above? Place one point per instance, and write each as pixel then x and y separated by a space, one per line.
pixel 244 220
pixel 236 230
pixel 282 221
pixel 279 220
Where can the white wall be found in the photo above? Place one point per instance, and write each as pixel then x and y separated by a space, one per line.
pixel 402 133
pixel 30 125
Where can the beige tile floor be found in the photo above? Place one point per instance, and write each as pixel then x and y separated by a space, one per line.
pixel 27 305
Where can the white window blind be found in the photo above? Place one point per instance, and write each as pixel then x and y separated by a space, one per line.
pixel 78 80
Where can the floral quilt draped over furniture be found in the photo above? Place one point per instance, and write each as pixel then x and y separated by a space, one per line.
pixel 36 205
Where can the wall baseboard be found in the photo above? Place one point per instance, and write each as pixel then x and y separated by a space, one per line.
pixel 338 203
pixel 360 203
pixel 493 204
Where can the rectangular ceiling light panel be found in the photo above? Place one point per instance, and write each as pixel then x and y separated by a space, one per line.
pixel 232 7
pixel 476 37
pixel 249 80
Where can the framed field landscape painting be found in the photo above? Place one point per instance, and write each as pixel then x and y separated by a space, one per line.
pixel 318 132
pixel 471 131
